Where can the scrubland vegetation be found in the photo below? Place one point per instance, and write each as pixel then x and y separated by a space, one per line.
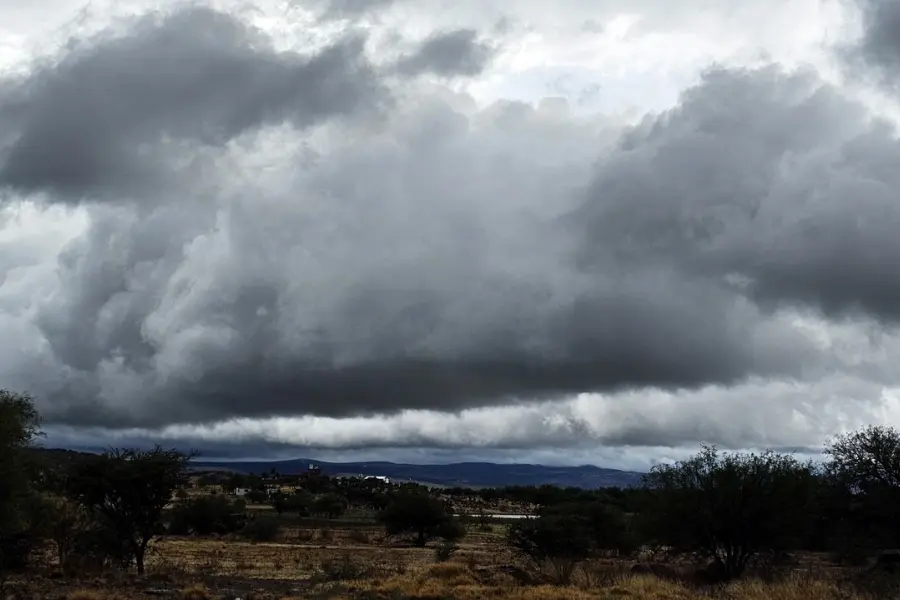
pixel 141 524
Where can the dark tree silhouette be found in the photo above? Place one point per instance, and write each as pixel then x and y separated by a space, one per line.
pixel 559 541
pixel 127 490
pixel 421 515
pixel 19 423
pixel 863 473
pixel 729 507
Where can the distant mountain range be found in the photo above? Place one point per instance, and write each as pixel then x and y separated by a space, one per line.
pixel 469 474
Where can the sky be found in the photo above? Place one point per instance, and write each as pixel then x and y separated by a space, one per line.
pixel 568 232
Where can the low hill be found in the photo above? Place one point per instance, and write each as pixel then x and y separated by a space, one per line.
pixel 469 474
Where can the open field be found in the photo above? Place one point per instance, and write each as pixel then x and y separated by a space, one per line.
pixel 353 560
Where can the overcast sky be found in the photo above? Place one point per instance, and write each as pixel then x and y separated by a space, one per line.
pixel 567 231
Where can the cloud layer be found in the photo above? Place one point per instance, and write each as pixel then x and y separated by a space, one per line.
pixel 95 121
pixel 302 247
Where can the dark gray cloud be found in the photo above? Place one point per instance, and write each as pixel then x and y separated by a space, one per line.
pixel 878 49
pixel 448 54
pixel 441 257
pixel 94 120
pixel 458 287
pixel 775 181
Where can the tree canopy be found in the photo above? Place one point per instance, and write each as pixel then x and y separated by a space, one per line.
pixel 729 507
pixel 128 490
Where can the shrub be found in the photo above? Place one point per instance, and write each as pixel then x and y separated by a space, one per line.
pixel 729 508
pixel 556 544
pixel 445 550
pixel 343 569
pixel 262 529
pixel 421 515
pixel 326 535
pixel 331 506
pixel 206 515
pixel 359 536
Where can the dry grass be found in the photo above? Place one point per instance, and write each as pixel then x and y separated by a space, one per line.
pixel 85 595
pixel 357 563
pixel 454 580
pixel 195 592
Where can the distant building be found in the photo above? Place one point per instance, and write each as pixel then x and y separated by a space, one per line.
pixel 240 492
pixel 313 472
pixel 381 478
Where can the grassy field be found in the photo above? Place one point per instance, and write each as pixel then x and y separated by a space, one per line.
pixel 352 559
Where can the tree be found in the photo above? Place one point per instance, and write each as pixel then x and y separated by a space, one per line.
pixel 207 515
pixel 330 505
pixel 262 528
pixel 128 490
pixel 19 427
pixel 863 474
pixel 302 503
pixel 605 525
pixel 66 522
pixel 421 515
pixel 557 541
pixel 729 508
pixel 281 503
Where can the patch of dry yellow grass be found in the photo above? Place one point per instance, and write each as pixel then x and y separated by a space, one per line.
pixel 457 581
pixel 798 588
pixel 195 592
pixel 85 595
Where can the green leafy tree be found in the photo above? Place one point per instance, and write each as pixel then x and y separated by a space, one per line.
pixel 420 515
pixel 729 508
pixel 127 491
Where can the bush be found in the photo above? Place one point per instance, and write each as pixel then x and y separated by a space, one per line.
pixel 445 551
pixel 330 506
pixel 15 551
pixel 359 536
pixel 421 515
pixel 262 529
pixel 343 569
pixel 604 525
pixel 553 543
pixel 205 516
pixel 326 535
pixel 729 508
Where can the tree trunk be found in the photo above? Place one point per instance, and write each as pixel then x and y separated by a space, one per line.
pixel 139 552
pixel 420 541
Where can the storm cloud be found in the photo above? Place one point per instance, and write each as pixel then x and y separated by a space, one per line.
pixel 878 49
pixel 94 121
pixel 327 255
